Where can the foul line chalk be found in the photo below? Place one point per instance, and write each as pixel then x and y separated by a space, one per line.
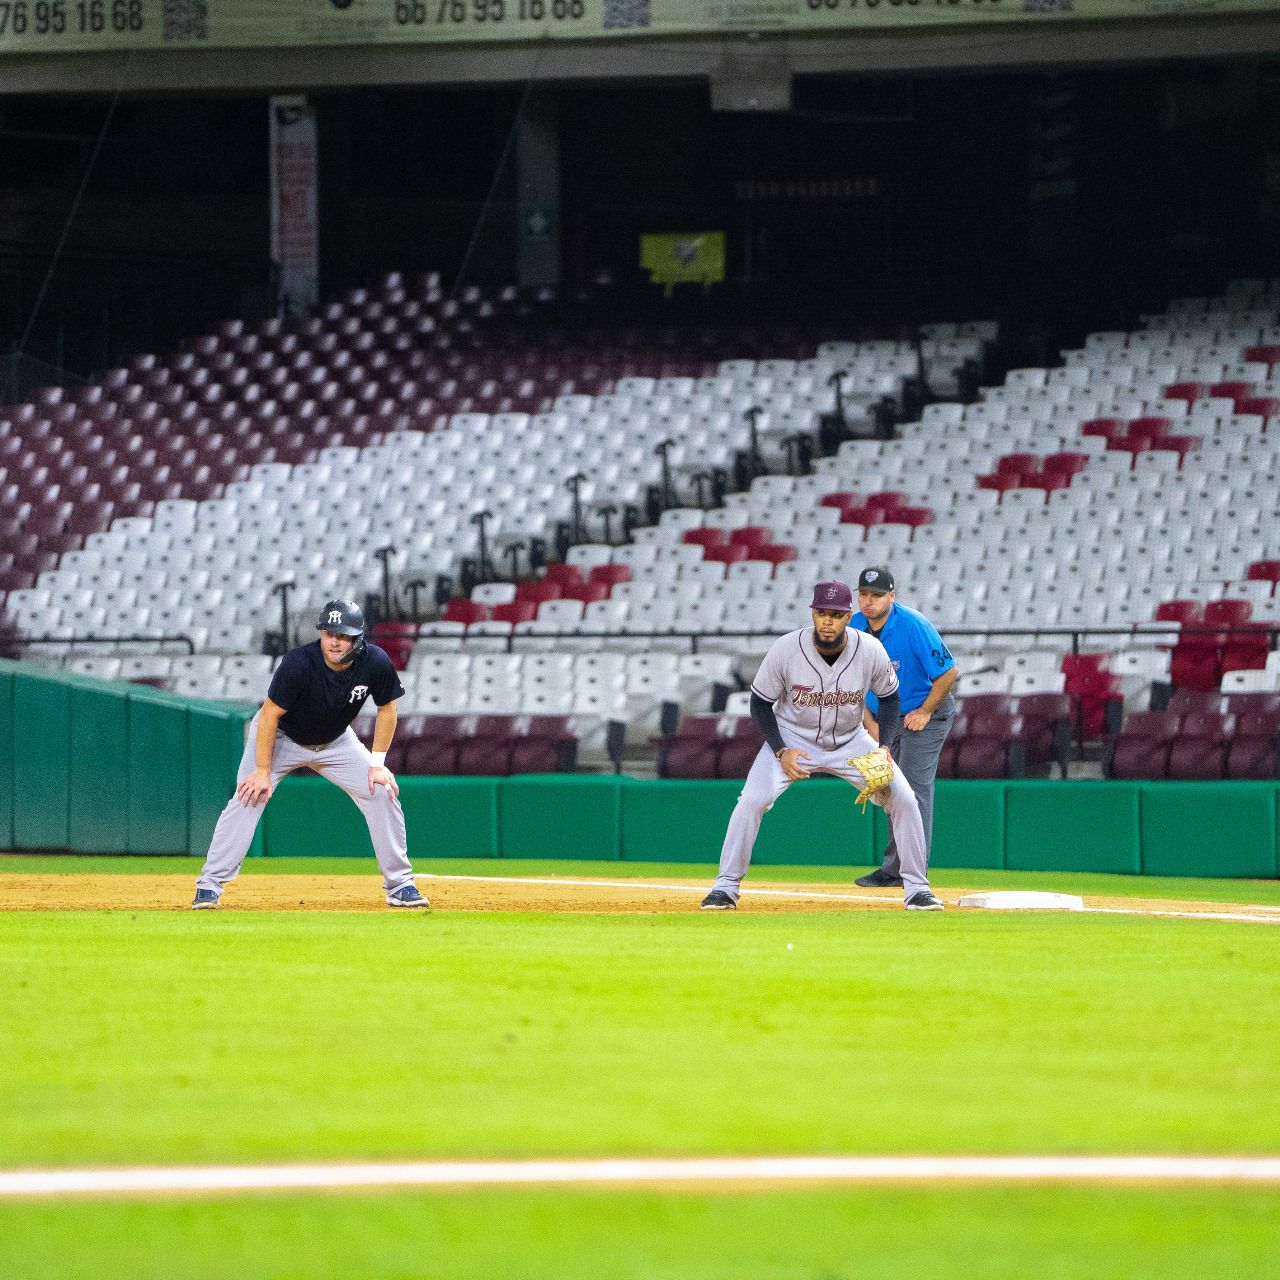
pixel 1238 914
pixel 1263 1170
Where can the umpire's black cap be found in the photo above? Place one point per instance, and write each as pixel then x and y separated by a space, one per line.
pixel 876 579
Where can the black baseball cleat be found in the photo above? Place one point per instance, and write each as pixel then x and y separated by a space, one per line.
pixel 923 900
pixel 879 879
pixel 407 895
pixel 718 900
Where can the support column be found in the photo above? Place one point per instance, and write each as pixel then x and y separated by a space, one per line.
pixel 295 223
pixel 538 190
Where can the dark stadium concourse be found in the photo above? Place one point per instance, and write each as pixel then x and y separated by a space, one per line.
pixel 1077 196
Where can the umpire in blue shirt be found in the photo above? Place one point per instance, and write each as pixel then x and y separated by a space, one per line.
pixel 926 671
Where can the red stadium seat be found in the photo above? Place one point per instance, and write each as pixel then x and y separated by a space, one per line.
pixel 1264 406
pixel 1108 428
pixel 566 576
pixel 514 612
pixel 709 536
pixel 610 574
pixel 885 500
pixel 397 639
pixel 775 553
pixel 1268 354
pixel 1188 613
pixel 1232 390
pixel 460 609
pixel 750 535
pixel 863 515
pixel 729 553
pixel 1227 613
pixel 539 592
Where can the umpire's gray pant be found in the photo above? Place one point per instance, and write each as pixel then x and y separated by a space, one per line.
pixel 916 753
pixel 345 762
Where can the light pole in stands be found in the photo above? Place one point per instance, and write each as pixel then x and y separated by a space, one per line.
pixel 574 485
pixel 282 589
pixel 482 563
pixel 662 450
pixel 384 554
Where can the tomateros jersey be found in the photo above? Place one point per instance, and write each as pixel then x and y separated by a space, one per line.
pixel 823 701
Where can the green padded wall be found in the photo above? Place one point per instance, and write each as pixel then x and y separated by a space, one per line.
pixel 968 824
pixel 8 749
pixel 451 817
pixel 216 739
pixel 1208 828
pixel 669 821
pixel 98 808
pixel 816 822
pixel 309 817
pixel 560 815
pixel 1072 826
pixel 41 778
pixel 159 778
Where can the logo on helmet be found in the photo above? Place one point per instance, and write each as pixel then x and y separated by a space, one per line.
pixel 335 616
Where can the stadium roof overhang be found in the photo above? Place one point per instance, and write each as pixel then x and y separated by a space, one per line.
pixel 745 71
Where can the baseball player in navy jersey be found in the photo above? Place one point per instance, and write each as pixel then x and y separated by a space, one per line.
pixel 305 723
pixel 926 671
pixel 808 698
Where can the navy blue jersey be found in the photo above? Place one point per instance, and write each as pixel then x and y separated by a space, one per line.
pixel 319 703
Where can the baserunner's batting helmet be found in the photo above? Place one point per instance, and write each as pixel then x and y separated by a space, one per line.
pixel 344 618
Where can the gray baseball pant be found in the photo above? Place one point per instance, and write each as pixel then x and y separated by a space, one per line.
pixel 916 753
pixel 766 782
pixel 345 762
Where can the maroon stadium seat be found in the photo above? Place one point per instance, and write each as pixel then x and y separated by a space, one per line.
pixel 991 747
pixel 689 757
pixel 1047 729
pixel 1141 749
pixel 1200 748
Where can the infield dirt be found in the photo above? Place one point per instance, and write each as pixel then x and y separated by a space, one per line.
pixel 266 892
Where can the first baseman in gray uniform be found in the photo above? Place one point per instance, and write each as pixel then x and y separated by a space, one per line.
pixel 305 723
pixel 808 698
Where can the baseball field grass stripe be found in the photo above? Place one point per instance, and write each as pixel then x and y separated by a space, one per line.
pixel 727 1172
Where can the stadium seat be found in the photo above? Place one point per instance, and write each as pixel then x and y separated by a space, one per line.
pixel 1200 747
pixel 1141 748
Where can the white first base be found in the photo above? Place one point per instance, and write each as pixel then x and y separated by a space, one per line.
pixel 1023 900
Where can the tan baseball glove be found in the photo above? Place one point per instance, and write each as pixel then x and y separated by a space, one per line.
pixel 877 769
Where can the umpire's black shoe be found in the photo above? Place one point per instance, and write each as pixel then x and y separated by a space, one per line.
pixel 718 900
pixel 879 879
pixel 923 900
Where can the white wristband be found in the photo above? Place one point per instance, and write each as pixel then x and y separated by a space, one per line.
pixel 379 759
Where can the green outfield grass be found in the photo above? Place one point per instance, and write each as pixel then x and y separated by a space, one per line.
pixel 881 1234
pixel 163 1037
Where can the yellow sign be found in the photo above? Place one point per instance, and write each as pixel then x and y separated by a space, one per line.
pixel 64 26
pixel 683 257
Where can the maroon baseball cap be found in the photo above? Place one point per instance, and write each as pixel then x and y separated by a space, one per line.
pixel 833 595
